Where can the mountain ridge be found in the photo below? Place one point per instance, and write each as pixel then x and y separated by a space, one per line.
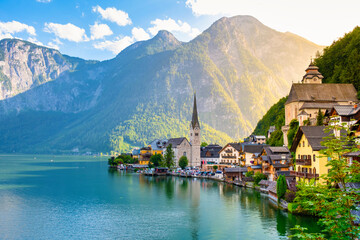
pixel 146 91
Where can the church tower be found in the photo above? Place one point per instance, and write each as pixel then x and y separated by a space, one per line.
pixel 195 137
pixel 312 75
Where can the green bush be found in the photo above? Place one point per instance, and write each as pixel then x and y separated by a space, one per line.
pixel 258 177
pixel 249 174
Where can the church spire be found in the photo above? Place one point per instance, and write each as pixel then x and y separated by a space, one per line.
pixel 195 119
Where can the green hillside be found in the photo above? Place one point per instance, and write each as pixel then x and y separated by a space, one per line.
pixel 339 62
pixel 275 116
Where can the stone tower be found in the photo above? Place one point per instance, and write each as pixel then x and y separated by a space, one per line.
pixel 312 75
pixel 195 137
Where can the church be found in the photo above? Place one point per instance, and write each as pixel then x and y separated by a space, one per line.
pixel 182 147
pixel 311 95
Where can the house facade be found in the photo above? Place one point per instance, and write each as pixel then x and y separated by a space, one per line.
pixel 249 153
pixel 230 154
pixel 210 154
pixel 311 95
pixel 275 161
pixel 307 145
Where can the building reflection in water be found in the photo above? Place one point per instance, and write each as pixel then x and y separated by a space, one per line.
pixel 255 206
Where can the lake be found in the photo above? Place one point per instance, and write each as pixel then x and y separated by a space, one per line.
pixel 78 197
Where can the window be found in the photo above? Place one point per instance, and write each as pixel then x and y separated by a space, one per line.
pixel 298 156
pixel 314 157
pixel 196 134
pixel 184 154
pixel 190 134
pixel 308 144
pixel 303 143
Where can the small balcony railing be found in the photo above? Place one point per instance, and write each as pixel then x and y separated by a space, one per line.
pixel 304 162
pixel 304 174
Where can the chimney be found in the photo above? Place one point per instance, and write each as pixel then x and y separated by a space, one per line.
pixel 355 106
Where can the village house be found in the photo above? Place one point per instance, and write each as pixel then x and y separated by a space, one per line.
pixel 276 161
pixel 348 114
pixel 230 154
pixel 234 173
pixel 256 139
pixel 157 146
pixel 270 131
pixel 306 145
pixel 249 153
pixel 311 95
pixel 145 154
pixel 210 154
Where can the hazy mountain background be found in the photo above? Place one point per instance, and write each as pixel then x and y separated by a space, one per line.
pixel 55 103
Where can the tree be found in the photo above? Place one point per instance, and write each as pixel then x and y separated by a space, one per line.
pixel 281 187
pixel 204 144
pixel 156 160
pixel 294 126
pixel 169 157
pixel 215 168
pixel 258 177
pixel 319 119
pixel 333 201
pixel 183 162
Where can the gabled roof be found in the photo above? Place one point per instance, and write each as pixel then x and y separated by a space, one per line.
pixel 314 134
pixel 322 92
pixel 253 148
pixel 236 146
pixel 212 150
pixel 176 141
pixel 346 110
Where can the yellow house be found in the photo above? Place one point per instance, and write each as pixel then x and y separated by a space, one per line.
pixel 309 162
pixel 145 154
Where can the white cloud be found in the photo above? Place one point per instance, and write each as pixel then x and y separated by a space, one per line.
pixel 115 46
pixel 173 26
pixel 67 31
pixel 139 34
pixel 34 40
pixel 112 14
pixel 53 45
pixel 99 31
pixel 44 1
pixel 9 28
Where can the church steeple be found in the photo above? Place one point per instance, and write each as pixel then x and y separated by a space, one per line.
pixel 195 119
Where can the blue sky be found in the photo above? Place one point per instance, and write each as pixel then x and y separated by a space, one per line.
pixel 100 29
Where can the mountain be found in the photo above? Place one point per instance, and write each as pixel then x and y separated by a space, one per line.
pixel 238 68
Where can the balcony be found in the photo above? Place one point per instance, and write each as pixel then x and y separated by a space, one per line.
pixel 304 174
pixel 304 162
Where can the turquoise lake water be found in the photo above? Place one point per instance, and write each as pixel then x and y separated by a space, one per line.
pixel 72 197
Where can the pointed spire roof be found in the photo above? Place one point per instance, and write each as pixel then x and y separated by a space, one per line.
pixel 195 119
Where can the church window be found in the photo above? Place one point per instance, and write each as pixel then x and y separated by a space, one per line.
pixel 196 134
pixel 184 154
pixel 190 134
